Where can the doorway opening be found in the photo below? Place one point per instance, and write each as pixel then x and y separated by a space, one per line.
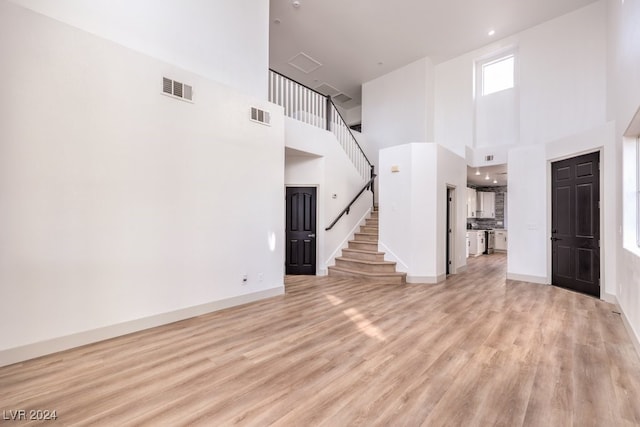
pixel 575 223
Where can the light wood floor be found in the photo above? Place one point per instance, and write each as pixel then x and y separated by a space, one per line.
pixel 474 351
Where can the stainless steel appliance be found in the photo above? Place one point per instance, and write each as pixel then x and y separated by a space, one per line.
pixel 489 241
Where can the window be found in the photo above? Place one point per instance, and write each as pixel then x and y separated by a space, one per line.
pixel 631 192
pixel 638 191
pixel 497 74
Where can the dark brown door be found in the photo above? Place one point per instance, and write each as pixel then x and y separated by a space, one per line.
pixel 301 230
pixel 450 193
pixel 575 232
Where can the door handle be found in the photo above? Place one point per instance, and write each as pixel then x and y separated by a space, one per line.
pixel 553 239
pixel 312 235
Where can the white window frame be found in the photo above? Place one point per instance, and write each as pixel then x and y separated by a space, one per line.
pixel 494 58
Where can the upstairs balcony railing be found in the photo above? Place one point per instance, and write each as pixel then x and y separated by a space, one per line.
pixel 305 104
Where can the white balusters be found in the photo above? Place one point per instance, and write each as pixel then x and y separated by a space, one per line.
pixel 306 105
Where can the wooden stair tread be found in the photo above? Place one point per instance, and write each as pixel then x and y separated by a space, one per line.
pixel 367 273
pixel 363 261
pixel 362 251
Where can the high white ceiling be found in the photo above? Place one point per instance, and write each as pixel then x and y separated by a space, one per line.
pixel 358 40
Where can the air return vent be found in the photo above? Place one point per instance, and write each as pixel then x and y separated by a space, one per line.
pixel 177 89
pixel 260 116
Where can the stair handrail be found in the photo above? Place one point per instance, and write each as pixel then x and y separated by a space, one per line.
pixel 348 208
pixel 328 113
pixel 349 129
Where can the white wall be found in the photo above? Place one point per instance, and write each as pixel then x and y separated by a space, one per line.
pixel 225 41
pixel 395 195
pixel 315 158
pixel 454 108
pixel 413 209
pixel 528 228
pixel 118 203
pixel 623 101
pixel 497 119
pixel 563 75
pixel 354 115
pixel 561 68
pixel 396 107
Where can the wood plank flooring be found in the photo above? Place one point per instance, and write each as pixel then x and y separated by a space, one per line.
pixel 473 351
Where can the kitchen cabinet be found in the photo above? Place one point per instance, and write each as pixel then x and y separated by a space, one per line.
pixel 486 203
pixel 471 203
pixel 501 240
pixel 468 245
pixel 476 243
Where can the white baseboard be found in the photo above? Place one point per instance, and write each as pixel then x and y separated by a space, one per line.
pixel 430 280
pixel 42 348
pixel 527 278
pixel 389 255
pixel 461 269
pixel 611 299
pixel 635 339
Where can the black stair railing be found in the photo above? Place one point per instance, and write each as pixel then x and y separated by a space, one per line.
pixel 345 211
pixel 302 103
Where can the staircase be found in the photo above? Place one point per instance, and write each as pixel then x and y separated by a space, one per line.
pixel 362 259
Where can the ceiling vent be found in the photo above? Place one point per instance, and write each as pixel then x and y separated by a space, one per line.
pixel 177 89
pixel 488 158
pixel 260 116
pixel 304 63
pixel 327 89
pixel 342 98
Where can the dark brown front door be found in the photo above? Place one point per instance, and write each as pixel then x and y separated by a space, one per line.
pixel 301 230
pixel 575 232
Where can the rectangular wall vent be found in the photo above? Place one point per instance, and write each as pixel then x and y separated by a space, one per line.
pixel 260 116
pixel 177 89
pixel 488 158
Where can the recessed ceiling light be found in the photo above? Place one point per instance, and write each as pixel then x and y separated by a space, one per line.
pixel 380 63
pixel 491 32
pixel 295 3
pixel 276 21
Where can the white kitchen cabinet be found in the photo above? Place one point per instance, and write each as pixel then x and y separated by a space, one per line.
pixel 501 240
pixel 471 202
pixel 486 203
pixel 468 245
pixel 476 243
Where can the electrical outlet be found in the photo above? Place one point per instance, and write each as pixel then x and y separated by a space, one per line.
pixel 260 277
pixel 245 279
